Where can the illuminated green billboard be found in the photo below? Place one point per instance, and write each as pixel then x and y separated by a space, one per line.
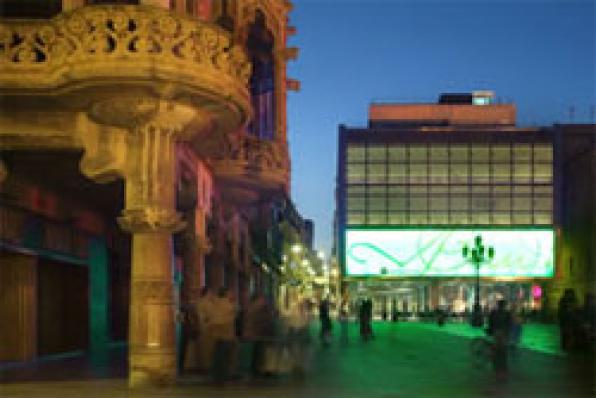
pixel 438 252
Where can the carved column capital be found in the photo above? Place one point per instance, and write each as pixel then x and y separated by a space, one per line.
pixel 150 219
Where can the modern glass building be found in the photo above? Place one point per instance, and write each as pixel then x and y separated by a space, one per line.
pixel 423 180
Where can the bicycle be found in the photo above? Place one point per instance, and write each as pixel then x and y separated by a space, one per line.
pixel 482 350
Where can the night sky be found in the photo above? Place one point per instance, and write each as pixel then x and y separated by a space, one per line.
pixel 538 54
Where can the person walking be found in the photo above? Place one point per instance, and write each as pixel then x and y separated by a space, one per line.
pixel 516 328
pixel 568 319
pixel 223 326
pixel 259 329
pixel 499 328
pixel 344 315
pixel 297 320
pixel 205 339
pixel 325 322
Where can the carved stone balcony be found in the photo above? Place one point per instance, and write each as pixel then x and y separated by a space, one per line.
pixel 248 167
pixel 96 52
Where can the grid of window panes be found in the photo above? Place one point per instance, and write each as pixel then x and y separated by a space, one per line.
pixel 449 183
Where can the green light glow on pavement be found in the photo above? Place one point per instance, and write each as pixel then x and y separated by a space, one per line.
pixel 436 252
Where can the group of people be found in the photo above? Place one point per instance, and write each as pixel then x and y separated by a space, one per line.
pixel 213 328
pixel 209 332
pixel 577 323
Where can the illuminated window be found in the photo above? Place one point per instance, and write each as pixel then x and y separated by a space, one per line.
pixel 522 153
pixel 480 218
pixel 501 173
pixel 397 173
pixel 356 203
pixel 543 190
pixel 459 153
pixel 521 218
pixel 397 218
pixel 543 153
pixel 377 154
pixel 501 203
pixel 418 204
pixel 439 218
pixel 418 218
pixel 397 154
pixel 458 217
pixel 376 218
pixel 460 203
pixel 522 172
pixel 501 153
pixel 377 203
pixel 418 153
pixel 522 203
pixel 543 173
pixel 418 173
pixel 439 203
pixel 356 153
pixel 542 203
pixel 439 153
pixel 439 173
pixel 543 218
pixel 355 218
pixel 502 218
pixel 480 203
pixel 480 173
pixel 398 203
pixel 376 173
pixel 480 153
pixel 355 173
pixel 356 190
pixel 458 173
pixel 398 189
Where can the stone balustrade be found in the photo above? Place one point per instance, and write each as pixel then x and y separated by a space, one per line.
pixel 116 42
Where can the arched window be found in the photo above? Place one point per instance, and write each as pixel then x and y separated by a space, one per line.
pixel 260 44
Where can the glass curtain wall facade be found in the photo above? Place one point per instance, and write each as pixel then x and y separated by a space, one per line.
pixel 448 183
pixel 485 178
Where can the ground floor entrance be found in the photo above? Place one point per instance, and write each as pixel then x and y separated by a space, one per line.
pixel 456 296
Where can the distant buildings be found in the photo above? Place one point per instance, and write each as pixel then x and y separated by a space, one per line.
pixel 423 180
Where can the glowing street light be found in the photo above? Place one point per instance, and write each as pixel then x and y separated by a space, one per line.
pixel 296 248
pixel 321 255
pixel 476 255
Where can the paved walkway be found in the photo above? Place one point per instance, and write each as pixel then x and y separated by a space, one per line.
pixel 405 360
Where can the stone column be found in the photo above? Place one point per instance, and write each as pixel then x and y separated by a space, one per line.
pixel 150 216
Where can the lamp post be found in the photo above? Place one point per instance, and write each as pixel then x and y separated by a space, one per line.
pixel 477 255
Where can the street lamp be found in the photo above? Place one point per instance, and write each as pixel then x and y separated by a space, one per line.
pixel 476 255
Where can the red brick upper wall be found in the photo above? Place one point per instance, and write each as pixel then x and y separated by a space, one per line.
pixel 503 114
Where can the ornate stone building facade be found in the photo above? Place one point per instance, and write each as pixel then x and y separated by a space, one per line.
pixel 167 116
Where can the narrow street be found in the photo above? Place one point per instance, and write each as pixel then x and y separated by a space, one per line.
pixel 404 360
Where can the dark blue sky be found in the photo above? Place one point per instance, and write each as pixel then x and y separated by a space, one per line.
pixel 539 54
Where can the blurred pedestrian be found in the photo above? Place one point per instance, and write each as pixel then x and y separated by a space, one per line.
pixel 325 319
pixel 223 326
pixel 259 329
pixel 298 337
pixel 516 328
pixel 394 311
pixel 499 327
pixel 568 319
pixel 205 339
pixel 187 316
pixel 344 315
pixel 365 317
pixel 588 323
